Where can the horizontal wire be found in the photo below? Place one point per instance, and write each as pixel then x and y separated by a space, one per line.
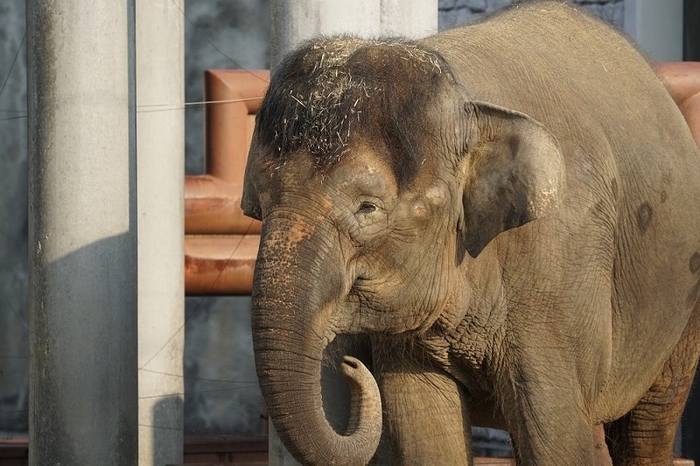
pixel 155 107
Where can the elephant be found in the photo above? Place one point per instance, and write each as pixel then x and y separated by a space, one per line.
pixel 509 211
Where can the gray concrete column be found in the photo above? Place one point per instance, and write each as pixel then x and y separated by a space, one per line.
pixel 657 27
pixel 161 169
pixel 293 22
pixel 82 233
pixel 409 18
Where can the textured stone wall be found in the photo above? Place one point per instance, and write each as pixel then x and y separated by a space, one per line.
pixel 221 390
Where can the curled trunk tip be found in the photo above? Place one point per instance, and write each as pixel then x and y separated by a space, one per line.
pixel 366 409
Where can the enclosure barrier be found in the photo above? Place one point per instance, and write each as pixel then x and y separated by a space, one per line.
pixel 682 79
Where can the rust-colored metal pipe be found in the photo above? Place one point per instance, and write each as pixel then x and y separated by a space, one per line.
pixel 682 79
pixel 220 265
pixel 212 207
pixel 220 242
pixel 212 201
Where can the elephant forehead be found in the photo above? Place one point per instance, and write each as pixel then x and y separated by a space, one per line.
pixel 325 93
pixel 362 171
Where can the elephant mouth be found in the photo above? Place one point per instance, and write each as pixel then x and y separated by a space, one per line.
pixel 329 336
pixel 361 284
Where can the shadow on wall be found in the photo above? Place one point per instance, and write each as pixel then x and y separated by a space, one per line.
pixel 453 13
pixel 84 341
pixel 164 442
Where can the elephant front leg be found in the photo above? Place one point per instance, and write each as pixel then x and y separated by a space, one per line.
pixel 547 419
pixel 425 414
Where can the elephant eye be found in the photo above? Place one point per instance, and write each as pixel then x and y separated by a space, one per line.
pixel 366 208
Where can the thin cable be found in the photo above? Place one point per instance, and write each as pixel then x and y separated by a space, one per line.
pixel 14 60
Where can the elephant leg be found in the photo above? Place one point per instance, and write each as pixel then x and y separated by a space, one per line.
pixel 646 434
pixel 554 438
pixel 546 415
pixel 602 455
pixel 425 414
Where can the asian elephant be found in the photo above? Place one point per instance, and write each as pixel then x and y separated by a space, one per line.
pixel 510 211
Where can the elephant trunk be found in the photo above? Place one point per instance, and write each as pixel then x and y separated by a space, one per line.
pixel 290 315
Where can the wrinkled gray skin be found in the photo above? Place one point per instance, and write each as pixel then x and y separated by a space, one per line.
pixel 511 211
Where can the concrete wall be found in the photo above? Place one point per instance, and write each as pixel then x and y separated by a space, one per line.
pixel 220 385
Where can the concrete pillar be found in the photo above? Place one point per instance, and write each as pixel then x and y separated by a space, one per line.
pixel 82 232
pixel 409 18
pixel 161 169
pixel 295 21
pixel 657 27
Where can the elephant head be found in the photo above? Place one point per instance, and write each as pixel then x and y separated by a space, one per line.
pixel 373 172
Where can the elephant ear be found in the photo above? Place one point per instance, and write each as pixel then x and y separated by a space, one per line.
pixel 515 173
pixel 250 201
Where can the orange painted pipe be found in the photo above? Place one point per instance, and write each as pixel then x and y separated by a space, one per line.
pixel 221 243
pixel 682 79
pixel 212 201
pixel 212 206
pixel 220 265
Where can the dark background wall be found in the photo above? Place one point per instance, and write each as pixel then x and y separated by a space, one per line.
pixel 221 389
pixel 691 30
pixel 13 217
